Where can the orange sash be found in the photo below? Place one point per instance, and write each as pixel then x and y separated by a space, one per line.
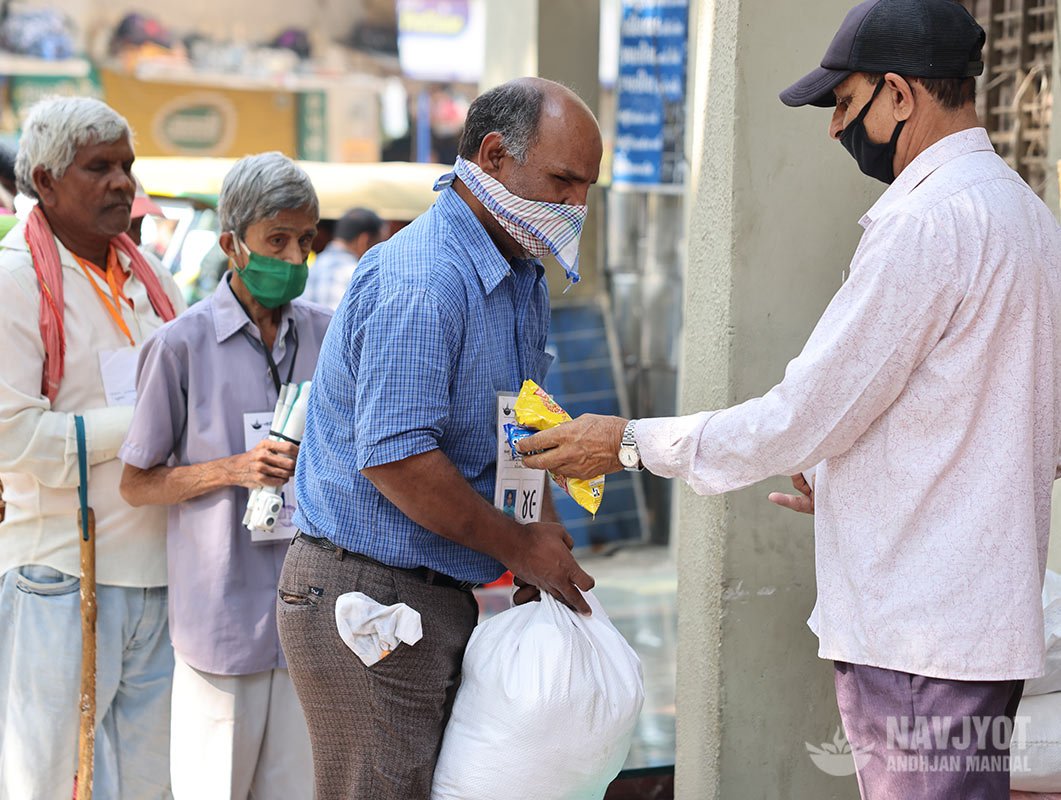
pixel 115 277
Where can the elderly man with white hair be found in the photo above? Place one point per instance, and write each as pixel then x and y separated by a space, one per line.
pixel 206 384
pixel 77 299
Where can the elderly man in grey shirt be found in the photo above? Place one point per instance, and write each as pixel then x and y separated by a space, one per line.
pixel 207 385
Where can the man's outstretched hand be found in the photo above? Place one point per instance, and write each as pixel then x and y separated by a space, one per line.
pixel 583 448
pixel 802 502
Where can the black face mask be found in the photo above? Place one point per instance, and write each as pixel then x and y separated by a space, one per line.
pixel 875 160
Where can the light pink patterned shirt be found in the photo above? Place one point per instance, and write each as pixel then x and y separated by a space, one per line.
pixel 930 390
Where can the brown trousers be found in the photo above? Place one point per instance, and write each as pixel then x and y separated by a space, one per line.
pixel 376 731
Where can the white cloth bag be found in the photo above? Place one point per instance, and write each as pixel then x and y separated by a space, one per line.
pixel 546 710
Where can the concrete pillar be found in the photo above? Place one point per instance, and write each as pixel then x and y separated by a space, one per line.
pixel 558 40
pixel 773 212
pixel 1053 199
pixel 1053 196
pixel 511 41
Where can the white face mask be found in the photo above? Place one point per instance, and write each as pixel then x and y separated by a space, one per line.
pixel 538 227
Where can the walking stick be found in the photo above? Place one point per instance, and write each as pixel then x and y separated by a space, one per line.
pixel 86 521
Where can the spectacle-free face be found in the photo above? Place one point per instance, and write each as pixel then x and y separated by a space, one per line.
pixel 95 194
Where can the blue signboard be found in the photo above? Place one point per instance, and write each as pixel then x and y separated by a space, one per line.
pixel 650 115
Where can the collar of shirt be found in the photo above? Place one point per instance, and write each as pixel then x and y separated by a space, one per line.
pixel 115 274
pixel 948 148
pixel 490 265
pixel 230 318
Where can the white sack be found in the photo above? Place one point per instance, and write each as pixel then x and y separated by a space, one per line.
pixel 1051 680
pixel 1035 752
pixel 546 710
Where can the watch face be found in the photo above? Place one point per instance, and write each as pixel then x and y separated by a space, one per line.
pixel 628 457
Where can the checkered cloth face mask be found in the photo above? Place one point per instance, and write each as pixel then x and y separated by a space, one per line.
pixel 538 227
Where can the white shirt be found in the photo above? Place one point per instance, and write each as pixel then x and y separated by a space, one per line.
pixel 931 390
pixel 38 447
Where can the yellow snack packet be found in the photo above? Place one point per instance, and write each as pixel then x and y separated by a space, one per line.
pixel 535 408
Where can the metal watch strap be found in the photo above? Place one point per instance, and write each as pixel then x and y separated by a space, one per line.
pixel 630 442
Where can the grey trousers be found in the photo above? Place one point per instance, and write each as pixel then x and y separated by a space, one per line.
pixel 376 731
pixel 920 738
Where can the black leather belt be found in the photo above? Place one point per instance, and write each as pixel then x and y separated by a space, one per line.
pixel 426 574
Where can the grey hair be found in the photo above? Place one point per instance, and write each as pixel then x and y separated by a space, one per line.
pixel 260 187
pixel 513 109
pixel 56 128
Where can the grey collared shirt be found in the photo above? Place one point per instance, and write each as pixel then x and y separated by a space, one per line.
pixel 197 377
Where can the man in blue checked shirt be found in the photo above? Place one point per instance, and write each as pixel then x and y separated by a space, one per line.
pixel 397 468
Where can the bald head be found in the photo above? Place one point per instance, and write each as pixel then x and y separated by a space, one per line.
pixel 538 140
pixel 515 110
pixel 555 93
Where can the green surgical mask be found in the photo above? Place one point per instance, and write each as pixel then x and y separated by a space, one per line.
pixel 271 281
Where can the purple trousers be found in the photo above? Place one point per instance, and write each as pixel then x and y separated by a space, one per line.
pixel 919 738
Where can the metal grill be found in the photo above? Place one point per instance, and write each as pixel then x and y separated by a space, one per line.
pixel 1014 97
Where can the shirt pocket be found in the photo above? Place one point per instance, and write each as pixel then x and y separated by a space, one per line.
pixel 538 363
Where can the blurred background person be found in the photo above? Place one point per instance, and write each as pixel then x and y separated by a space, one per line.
pixel 8 190
pixel 142 206
pixel 8 187
pixel 355 232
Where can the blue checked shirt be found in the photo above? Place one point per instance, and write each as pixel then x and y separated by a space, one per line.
pixel 435 323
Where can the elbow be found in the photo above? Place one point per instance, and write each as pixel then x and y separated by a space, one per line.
pixel 129 489
pixel 130 496
pixel 377 476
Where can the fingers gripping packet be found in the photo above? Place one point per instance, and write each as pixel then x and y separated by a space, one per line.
pixel 513 434
pixel 535 408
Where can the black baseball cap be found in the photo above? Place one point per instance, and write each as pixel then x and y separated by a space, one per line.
pixel 914 38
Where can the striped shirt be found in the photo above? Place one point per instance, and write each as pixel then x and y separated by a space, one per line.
pixel 435 324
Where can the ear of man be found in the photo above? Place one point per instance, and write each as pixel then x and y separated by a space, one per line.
pixel 903 95
pixel 491 151
pixel 45 185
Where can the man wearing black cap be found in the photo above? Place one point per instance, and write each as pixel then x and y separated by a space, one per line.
pixel 928 396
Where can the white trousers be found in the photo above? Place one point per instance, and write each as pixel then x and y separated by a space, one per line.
pixel 238 737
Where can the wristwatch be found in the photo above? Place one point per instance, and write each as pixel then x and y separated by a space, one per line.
pixel 629 455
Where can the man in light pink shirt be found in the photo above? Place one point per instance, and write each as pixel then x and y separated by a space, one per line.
pixel 933 373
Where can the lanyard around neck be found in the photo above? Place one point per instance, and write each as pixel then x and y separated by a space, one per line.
pixel 274 371
pixel 112 303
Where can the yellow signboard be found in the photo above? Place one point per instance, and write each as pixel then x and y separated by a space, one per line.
pixel 183 119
